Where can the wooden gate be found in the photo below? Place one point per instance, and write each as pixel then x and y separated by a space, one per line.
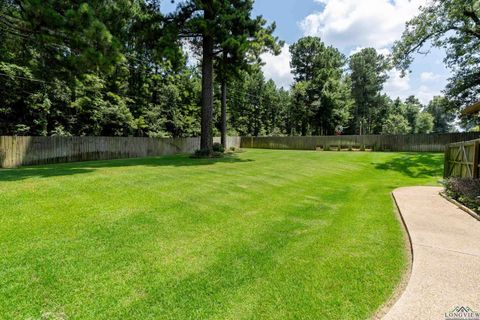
pixel 462 159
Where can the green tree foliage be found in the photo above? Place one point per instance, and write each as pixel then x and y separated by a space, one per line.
pixel 221 27
pixel 380 112
pixel 90 68
pixel 336 96
pixel 410 109
pixel 455 26
pixel 424 123
pixel 176 108
pixel 317 68
pixel 300 114
pixel 236 58
pixel 443 116
pixel 437 117
pixel 257 106
pixel 396 124
pixel 118 68
pixel 368 75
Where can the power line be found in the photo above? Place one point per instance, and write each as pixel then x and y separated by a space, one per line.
pixel 10 30
pixel 64 47
pixel 236 91
pixel 60 46
pixel 48 82
pixel 262 99
pixel 24 78
pixel 17 20
pixel 56 45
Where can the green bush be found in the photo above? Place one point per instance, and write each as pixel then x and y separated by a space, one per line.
pixel 218 147
pixel 205 153
pixel 464 190
pixel 201 153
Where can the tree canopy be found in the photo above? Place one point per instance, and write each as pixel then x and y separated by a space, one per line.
pixel 124 68
pixel 226 28
pixel 320 92
pixel 453 25
pixel 368 72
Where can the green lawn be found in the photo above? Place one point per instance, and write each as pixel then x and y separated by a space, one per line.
pixel 263 235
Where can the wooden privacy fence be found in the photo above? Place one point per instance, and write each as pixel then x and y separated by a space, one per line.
pixel 406 143
pixel 462 159
pixel 17 151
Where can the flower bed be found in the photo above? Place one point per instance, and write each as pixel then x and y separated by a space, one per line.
pixel 465 191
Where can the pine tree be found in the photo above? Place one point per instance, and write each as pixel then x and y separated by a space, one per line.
pixel 368 74
pixel 226 30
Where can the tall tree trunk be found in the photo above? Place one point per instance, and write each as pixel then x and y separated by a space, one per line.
pixel 224 112
pixel 206 139
pixel 357 121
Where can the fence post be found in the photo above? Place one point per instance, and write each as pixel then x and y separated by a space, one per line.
pixel 3 153
pixel 446 165
pixel 476 156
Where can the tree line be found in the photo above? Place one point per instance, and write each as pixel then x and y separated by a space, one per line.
pixel 124 68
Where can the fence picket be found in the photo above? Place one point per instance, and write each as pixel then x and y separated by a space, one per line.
pixel 19 150
pixel 399 143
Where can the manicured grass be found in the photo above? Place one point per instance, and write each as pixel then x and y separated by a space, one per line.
pixel 263 235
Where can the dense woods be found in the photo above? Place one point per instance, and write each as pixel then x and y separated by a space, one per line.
pixel 124 68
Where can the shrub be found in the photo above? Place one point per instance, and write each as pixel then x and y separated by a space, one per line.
pixel 218 147
pixel 465 190
pixel 201 153
pixel 205 153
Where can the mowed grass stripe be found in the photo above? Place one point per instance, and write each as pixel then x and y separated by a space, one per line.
pixel 262 235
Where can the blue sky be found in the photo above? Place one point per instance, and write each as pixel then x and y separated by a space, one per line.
pixel 351 25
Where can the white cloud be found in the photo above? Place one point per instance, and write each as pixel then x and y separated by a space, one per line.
pixel 396 86
pixel 425 94
pixel 384 51
pixel 366 23
pixel 429 77
pixel 278 68
pixel 352 25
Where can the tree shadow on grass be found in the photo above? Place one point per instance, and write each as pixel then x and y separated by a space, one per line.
pixel 74 168
pixel 415 165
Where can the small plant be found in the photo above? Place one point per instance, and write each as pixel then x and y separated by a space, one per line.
pixel 218 147
pixel 205 153
pixel 201 153
pixel 232 149
pixel 464 190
